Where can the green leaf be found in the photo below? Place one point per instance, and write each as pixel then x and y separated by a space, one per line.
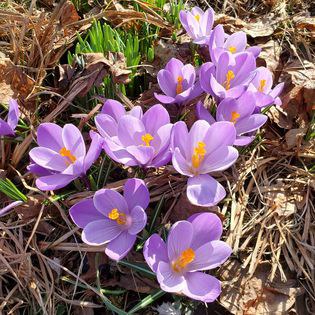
pixel 137 267
pixel 9 189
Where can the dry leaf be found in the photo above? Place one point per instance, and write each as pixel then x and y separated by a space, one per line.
pixel 270 53
pixel 68 14
pixel 294 137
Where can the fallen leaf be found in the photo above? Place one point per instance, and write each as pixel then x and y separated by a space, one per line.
pixel 270 54
pixel 294 137
pixel 68 15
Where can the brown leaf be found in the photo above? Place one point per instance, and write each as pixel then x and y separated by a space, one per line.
pixel 294 137
pixel 270 54
pixel 68 14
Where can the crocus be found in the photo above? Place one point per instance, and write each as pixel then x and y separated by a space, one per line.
pixel 261 85
pixel 112 219
pixel 192 246
pixel 198 24
pixel 236 43
pixel 230 77
pixel 203 150
pixel 61 155
pixel 178 82
pixel 7 127
pixel 133 138
pixel 241 113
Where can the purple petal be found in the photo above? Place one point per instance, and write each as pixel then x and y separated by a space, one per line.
pixel 164 99
pixel 100 232
pixel 84 212
pixel 155 251
pixel 216 88
pixel 243 140
pixel 174 66
pixel 136 193
pixel 197 133
pixel 167 83
pixel 251 123
pixel 204 190
pixel 255 50
pixel 210 255
pixel 203 113
pixel 136 111
pixel 53 182
pixel 205 72
pixel 206 22
pixel 189 76
pixel 130 130
pixel 235 91
pixel 139 220
pixel 180 163
pixel 5 129
pixel 73 140
pixel 106 125
pixel 179 138
pixel 207 227
pixel 237 40
pixel 169 280
pixel 105 200
pixel 114 109
pixel 176 243
pixel 219 160
pixel 202 287
pixel 38 170
pixel 49 159
pixel 49 135
pixel 154 118
pixel 276 91
pixel 142 154
pixel 94 150
pixel 14 113
pixel 162 138
pixel 120 246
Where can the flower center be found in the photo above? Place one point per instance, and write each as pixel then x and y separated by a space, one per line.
pixel 229 77
pixel 186 257
pixel 67 153
pixel 199 154
pixel 117 216
pixel 262 84
pixel 147 138
pixel 179 87
pixel 197 17
pixel 234 117
pixel 232 49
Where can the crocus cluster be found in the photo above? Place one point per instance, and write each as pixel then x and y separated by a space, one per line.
pixel 239 91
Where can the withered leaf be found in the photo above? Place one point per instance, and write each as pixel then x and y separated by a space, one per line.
pixel 68 14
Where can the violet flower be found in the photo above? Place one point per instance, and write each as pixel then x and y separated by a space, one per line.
pixel 198 24
pixel 112 219
pixel 178 82
pixel 241 113
pixel 61 155
pixel 202 150
pixel 230 77
pixel 261 85
pixel 133 138
pixel 192 246
pixel 7 127
pixel 236 43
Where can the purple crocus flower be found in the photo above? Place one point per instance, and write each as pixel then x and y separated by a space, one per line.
pixel 202 150
pixel 112 219
pixel 261 85
pixel 7 127
pixel 192 246
pixel 230 77
pixel 236 43
pixel 178 82
pixel 61 155
pixel 133 138
pixel 198 24
pixel 241 113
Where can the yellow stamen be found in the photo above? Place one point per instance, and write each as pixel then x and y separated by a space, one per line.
pixel 262 84
pixel 179 87
pixel 199 154
pixel 117 216
pixel 197 17
pixel 232 49
pixel 229 77
pixel 147 138
pixel 67 153
pixel 235 117
pixel 187 256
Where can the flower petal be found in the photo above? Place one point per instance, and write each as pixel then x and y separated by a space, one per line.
pixel 49 135
pixel 114 109
pixel 84 212
pixel 130 130
pixel 142 154
pixel 139 220
pixel 176 243
pixel 154 118
pixel 167 82
pixel 73 140
pixel 14 113
pixel 180 164
pixel 53 182
pixel 136 193
pixel 169 280
pixel 5 129
pixel 105 200
pixel 251 123
pixel 100 232
pixel 120 246
pixel 202 287
pixel 203 113
pixel 106 125
pixel 155 251
pixel 94 150
pixel 204 190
